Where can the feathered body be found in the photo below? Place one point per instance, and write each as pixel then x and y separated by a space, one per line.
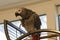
pixel 30 20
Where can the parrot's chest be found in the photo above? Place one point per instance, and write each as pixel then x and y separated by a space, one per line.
pixel 28 22
pixel 29 25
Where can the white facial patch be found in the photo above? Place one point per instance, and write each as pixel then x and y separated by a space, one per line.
pixel 19 11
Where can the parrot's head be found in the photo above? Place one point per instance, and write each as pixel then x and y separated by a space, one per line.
pixel 21 12
pixel 17 13
pixel 24 13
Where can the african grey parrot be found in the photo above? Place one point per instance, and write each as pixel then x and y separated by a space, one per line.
pixel 30 20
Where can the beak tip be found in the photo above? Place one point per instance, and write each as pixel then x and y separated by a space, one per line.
pixel 16 14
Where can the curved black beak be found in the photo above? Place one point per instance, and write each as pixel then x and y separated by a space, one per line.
pixel 17 14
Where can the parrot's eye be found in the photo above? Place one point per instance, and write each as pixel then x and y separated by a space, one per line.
pixel 19 11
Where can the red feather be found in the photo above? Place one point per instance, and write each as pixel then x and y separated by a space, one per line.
pixel 35 37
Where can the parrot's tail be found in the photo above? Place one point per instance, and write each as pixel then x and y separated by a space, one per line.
pixel 35 37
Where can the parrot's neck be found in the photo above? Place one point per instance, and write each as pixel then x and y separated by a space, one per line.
pixel 27 16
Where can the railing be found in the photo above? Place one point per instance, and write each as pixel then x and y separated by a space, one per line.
pixel 56 33
pixel 11 35
pixel 12 31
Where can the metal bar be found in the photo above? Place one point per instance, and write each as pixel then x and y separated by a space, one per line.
pixel 20 30
pixel 50 36
pixel 12 33
pixel 57 33
pixel 11 28
pixel 39 31
pixel 6 31
pixel 12 36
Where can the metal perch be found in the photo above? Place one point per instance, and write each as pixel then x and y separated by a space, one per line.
pixel 57 33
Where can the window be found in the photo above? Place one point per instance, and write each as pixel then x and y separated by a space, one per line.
pixel 59 22
pixel 17 23
pixel 44 25
pixel 58 19
pixel 2 34
pixel 58 28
